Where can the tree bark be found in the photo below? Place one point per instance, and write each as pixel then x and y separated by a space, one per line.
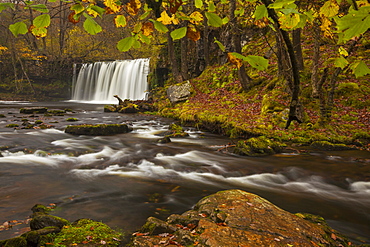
pixel 245 80
pixel 184 58
pixel 294 103
pixel 298 48
pixel 315 63
pixel 174 64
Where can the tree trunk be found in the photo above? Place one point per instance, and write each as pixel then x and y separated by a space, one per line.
pixel 184 58
pixel 298 48
pixel 315 63
pixel 245 80
pixel 321 96
pixel 174 64
pixel 294 103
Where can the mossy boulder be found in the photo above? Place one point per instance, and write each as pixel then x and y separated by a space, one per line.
pixel 174 131
pixel 328 146
pixel 32 110
pixel 236 218
pixel 97 130
pixel 258 146
pixel 178 93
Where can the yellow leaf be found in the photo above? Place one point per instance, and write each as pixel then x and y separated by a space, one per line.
pixel 196 17
pixel 330 8
pixel 234 60
pixel 92 12
pixel 133 6
pixel 166 19
pixel 325 27
pixel 289 21
pixel 111 4
pixel 147 28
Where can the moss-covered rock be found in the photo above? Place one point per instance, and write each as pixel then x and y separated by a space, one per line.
pixel 328 146
pixel 97 130
pixel 258 146
pixel 32 110
pixel 236 218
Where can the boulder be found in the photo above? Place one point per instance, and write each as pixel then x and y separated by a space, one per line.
pixel 258 146
pixel 32 110
pixel 97 130
pixel 178 93
pixel 235 218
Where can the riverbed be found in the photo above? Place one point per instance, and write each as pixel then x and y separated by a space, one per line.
pixel 123 179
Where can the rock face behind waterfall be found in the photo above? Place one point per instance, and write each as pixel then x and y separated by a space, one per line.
pixel 236 218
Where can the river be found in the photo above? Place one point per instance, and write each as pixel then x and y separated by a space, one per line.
pixel 123 179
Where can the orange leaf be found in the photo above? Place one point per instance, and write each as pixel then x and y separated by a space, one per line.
pixel 193 34
pixel 147 28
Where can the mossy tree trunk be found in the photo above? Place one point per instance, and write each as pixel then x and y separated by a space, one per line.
pixel 172 55
pixel 294 106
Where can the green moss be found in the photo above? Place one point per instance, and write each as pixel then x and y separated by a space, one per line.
pixel 347 88
pixel 86 231
pixel 12 126
pixel 71 119
pixel 2 116
pixel 325 145
pixel 38 122
pixel 258 146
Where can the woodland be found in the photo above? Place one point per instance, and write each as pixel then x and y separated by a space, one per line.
pixel 292 70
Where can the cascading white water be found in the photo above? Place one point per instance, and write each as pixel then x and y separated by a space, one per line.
pixel 98 82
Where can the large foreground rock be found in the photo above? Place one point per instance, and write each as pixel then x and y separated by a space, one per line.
pixel 236 218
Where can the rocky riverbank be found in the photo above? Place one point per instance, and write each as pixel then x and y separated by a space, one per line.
pixel 227 218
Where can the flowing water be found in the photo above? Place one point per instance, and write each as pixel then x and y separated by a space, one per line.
pixel 123 179
pixel 99 81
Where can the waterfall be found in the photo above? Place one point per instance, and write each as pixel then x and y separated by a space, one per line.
pixel 99 81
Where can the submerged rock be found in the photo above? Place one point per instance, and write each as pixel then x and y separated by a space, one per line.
pixel 97 130
pixel 328 146
pixel 236 218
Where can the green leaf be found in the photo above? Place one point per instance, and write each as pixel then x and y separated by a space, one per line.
pixel 353 24
pixel 220 45
pixel 40 7
pixel 360 69
pixel 278 4
pixel 340 62
pixel 52 1
pixel 97 9
pixel 260 12
pixel 77 8
pixel 213 19
pixel 126 43
pixel 256 62
pixel 42 21
pixel 18 28
pixel 145 15
pixel 159 26
pixel 211 7
pixel 6 5
pixel 179 33
pixel 198 4
pixel 225 20
pixel 289 21
pixel 91 26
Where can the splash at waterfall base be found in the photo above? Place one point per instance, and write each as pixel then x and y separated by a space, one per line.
pixel 230 218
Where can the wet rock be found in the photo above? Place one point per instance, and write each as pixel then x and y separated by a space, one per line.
pixel 236 218
pixel 328 146
pixel 174 131
pixel 33 110
pixel 97 130
pixel 258 146
pixel 178 93
pixel 165 139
